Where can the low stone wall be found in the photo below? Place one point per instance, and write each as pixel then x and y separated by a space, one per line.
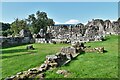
pixel 11 41
pixel 40 40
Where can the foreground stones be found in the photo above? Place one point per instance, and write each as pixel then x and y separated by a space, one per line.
pixel 63 72
pixel 98 49
pixel 65 55
pixel 30 47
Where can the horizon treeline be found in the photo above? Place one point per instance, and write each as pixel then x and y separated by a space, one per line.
pixel 34 23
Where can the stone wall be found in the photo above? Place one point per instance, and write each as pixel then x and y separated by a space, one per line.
pixel 94 30
pixel 11 41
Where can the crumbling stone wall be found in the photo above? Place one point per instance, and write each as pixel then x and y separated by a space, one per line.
pixel 94 30
pixel 11 41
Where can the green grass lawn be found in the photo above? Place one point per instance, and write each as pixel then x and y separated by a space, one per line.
pixel 16 59
pixel 87 65
pixel 93 65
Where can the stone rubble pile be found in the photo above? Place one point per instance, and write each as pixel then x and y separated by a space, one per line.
pixel 63 72
pixel 30 47
pixel 97 49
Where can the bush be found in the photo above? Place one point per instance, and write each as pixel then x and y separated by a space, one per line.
pixel 4 33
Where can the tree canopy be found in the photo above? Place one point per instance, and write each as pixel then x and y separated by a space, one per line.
pixel 39 21
pixel 34 23
pixel 5 26
pixel 18 25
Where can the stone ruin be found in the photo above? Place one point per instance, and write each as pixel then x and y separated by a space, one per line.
pixel 94 30
pixel 24 37
pixel 61 58
pixel 30 47
pixel 98 50
pixel 63 72
pixel 43 37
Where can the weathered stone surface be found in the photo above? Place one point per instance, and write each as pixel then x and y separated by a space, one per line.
pixel 25 33
pixel 23 76
pixel 30 47
pixel 97 49
pixel 44 66
pixel 51 57
pixel 33 71
pixel 68 50
pixel 41 76
pixel 41 34
pixel 63 72
pixel 41 69
pixel 10 78
pixel 19 73
pixel 92 31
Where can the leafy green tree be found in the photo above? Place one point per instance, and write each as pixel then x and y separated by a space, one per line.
pixel 4 33
pixel 50 22
pixel 5 26
pixel 18 25
pixel 39 21
pixel 34 23
pixel 14 26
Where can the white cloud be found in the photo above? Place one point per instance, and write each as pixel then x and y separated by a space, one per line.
pixel 57 22
pixel 113 20
pixel 72 21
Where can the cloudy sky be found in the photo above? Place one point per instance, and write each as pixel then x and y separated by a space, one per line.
pixel 61 12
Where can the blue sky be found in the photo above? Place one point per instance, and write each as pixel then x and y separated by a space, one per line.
pixel 61 12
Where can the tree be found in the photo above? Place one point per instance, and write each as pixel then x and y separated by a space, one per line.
pixel 18 25
pixel 32 23
pixel 50 22
pixel 4 33
pixel 41 21
pixel 5 26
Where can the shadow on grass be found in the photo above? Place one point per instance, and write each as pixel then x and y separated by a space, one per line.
pixel 82 53
pixel 15 45
pixel 3 57
pixel 76 58
pixel 29 52
pixel 105 39
pixel 105 51
pixel 14 51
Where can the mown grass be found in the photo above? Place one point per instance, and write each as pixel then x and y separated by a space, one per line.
pixel 16 59
pixel 87 65
pixel 93 65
